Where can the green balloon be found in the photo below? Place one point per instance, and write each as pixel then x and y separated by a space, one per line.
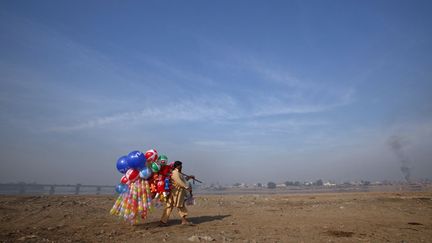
pixel 155 167
pixel 163 159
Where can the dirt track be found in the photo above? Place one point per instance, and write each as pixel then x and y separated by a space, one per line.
pixel 341 217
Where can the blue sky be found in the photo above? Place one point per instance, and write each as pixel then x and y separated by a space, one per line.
pixel 247 91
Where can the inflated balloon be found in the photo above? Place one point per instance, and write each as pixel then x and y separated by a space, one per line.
pixel 151 155
pixel 155 167
pixel 124 180
pixel 121 188
pixel 163 159
pixel 136 160
pixel 160 186
pixel 145 173
pixel 165 170
pixel 132 175
pixel 122 164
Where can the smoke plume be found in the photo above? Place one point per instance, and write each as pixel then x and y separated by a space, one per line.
pixel 398 144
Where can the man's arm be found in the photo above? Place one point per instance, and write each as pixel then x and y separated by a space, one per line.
pixel 178 180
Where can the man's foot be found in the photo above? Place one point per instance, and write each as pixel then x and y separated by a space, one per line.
pixel 162 224
pixel 188 223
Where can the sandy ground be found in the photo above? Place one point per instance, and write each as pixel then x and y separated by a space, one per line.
pixel 337 217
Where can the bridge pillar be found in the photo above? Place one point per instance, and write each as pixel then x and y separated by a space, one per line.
pixel 77 189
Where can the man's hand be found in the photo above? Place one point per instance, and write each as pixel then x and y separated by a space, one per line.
pixel 190 177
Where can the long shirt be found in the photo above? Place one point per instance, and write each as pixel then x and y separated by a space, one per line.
pixel 178 179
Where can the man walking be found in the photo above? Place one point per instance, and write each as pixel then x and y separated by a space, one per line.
pixel 177 196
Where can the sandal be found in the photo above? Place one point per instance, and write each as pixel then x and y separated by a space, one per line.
pixel 162 224
pixel 188 224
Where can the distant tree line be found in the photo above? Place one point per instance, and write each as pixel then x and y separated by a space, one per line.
pixel 293 183
pixel 271 185
pixel 318 182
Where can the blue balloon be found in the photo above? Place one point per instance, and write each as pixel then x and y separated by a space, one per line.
pixel 121 188
pixel 136 160
pixel 123 164
pixel 145 173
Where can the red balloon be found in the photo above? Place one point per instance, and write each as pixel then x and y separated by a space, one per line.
pixel 160 186
pixel 124 180
pixel 151 155
pixel 165 170
pixel 132 175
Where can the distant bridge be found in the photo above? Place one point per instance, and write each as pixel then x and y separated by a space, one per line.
pixel 51 189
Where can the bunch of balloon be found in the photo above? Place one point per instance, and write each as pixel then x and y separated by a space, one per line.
pixel 141 185
pixel 160 183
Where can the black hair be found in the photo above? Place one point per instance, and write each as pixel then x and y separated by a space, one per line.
pixel 177 164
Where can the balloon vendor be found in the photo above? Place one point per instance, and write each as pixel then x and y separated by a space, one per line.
pixel 176 199
pixel 147 179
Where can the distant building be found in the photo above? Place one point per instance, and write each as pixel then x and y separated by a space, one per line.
pixel 308 183
pixel 240 185
pixel 329 184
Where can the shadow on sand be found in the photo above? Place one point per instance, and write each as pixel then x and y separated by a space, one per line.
pixel 201 219
pixel 196 220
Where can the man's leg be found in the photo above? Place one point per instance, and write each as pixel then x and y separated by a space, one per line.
pixel 166 213
pixel 183 213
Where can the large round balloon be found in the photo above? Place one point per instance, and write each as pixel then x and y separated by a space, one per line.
pixel 136 160
pixel 155 167
pixel 124 180
pixel 132 175
pixel 121 188
pixel 151 155
pixel 163 159
pixel 122 164
pixel 145 173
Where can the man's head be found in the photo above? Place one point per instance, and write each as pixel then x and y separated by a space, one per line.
pixel 178 165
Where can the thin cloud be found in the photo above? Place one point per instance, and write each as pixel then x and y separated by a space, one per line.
pixel 198 109
pixel 291 96
pixel 277 106
pixel 295 96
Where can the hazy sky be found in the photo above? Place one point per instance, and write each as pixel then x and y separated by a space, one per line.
pixel 240 91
